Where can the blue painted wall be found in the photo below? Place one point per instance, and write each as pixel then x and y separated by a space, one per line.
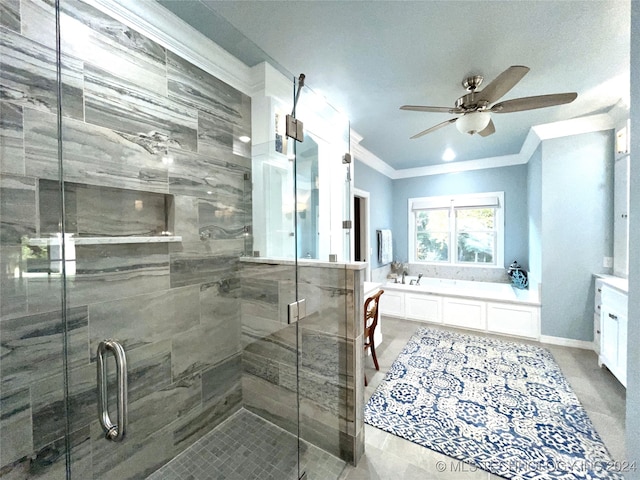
pixel 511 180
pixel 633 360
pixel 577 209
pixel 381 200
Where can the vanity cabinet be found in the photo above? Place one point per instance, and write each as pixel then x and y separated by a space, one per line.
pixel 613 332
pixel 597 310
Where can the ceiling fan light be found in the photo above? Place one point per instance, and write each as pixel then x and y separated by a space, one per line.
pixel 473 122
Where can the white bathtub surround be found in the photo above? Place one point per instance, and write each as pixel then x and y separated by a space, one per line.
pixel 486 306
pixel 380 274
pixel 457 272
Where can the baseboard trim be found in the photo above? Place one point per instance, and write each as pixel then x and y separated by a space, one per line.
pixel 567 342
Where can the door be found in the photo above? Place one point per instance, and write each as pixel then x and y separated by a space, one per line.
pixel 33 326
pixel 609 341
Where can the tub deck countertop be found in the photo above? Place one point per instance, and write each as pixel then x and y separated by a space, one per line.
pixel 500 292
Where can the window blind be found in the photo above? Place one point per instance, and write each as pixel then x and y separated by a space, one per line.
pixel 459 202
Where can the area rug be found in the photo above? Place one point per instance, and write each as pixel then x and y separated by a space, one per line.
pixel 499 406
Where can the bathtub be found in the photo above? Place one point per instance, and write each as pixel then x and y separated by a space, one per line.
pixel 501 292
pixel 484 306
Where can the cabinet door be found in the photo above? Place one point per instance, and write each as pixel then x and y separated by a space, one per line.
pixel 622 350
pixel 609 340
pixel 596 333
pixel 422 307
pixel 521 321
pixel 392 303
pixel 621 217
pixel 462 312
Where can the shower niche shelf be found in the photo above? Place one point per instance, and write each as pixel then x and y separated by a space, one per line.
pixel 100 215
pixel 43 242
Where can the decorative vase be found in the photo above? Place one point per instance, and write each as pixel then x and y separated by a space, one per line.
pixel 518 276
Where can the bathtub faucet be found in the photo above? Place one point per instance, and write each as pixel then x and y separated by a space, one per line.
pixel 416 282
pixel 404 274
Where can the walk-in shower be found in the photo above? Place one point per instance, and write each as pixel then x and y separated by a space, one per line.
pixel 149 229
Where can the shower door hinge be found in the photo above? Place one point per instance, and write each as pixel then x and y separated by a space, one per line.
pixel 295 129
pixel 297 310
pixel 346 224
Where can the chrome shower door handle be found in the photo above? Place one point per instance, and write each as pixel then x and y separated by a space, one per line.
pixel 112 432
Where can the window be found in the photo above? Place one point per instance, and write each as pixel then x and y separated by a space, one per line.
pixel 458 229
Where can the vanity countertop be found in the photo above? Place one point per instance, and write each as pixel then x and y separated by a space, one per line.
pixel 618 283
pixel 370 287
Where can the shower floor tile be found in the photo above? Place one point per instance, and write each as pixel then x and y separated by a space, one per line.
pixel 246 447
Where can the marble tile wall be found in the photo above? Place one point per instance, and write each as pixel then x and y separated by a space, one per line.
pixel 327 344
pixel 456 272
pixel 149 143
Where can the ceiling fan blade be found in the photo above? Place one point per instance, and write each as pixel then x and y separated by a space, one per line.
pixel 423 108
pixel 531 103
pixel 435 127
pixel 490 129
pixel 502 83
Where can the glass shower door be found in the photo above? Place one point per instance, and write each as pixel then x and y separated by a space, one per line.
pixel 34 329
pixel 157 203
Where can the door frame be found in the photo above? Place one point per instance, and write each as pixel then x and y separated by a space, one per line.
pixel 365 221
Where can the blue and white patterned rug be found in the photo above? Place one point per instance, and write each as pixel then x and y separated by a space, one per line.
pixel 500 406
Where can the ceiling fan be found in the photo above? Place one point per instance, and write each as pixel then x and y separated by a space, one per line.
pixel 475 107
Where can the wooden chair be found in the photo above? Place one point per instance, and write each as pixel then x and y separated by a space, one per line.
pixel 370 324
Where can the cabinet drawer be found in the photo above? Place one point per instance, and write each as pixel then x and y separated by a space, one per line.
pixel 597 298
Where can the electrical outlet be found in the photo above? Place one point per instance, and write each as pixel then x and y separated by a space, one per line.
pixel 607 262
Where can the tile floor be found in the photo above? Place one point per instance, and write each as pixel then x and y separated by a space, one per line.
pixel 388 457
pixel 246 447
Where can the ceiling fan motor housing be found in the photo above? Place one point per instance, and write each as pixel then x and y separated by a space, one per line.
pixel 471 102
pixel 471 83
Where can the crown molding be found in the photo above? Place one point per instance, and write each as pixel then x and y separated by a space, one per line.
pixel 163 27
pixel 365 156
pixel 575 126
pixel 537 134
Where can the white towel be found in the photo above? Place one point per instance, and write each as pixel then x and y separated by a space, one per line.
pixel 385 246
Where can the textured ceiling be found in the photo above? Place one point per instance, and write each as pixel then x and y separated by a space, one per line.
pixel 370 57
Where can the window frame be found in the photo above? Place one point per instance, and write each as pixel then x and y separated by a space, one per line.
pixel 450 202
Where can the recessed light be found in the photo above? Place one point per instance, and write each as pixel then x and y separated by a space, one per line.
pixel 448 155
pixel 244 139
